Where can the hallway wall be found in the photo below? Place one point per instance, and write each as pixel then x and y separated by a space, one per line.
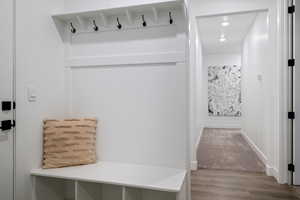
pixel 257 87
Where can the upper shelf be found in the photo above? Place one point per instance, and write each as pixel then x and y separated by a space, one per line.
pixel 118 18
pixel 131 175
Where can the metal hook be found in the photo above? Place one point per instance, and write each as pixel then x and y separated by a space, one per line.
pixel 119 25
pixel 73 29
pixel 144 22
pixel 95 27
pixel 171 19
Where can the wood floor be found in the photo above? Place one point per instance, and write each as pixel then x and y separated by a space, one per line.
pixel 237 185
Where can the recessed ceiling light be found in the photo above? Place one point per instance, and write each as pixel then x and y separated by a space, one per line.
pixel 222 39
pixel 225 23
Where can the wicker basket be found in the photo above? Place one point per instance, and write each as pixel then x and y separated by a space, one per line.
pixel 69 142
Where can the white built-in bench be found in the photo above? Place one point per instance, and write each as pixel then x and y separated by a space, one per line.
pixel 109 181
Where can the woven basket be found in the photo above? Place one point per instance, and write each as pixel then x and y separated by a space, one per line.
pixel 69 142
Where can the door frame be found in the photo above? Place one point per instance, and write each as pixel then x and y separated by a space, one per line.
pixel 14 66
pixel 281 89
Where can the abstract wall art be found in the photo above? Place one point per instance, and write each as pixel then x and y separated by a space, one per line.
pixel 224 91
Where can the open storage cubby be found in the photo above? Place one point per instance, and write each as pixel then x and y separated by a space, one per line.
pixel 46 188
pixel 96 191
pixel 144 194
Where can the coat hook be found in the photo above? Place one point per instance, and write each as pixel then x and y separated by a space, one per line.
pixel 73 29
pixel 144 22
pixel 95 27
pixel 171 19
pixel 119 25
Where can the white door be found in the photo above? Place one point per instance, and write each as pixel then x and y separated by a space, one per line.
pixel 297 94
pixel 6 94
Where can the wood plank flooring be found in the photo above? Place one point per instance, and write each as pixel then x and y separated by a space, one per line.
pixel 232 171
pixel 237 185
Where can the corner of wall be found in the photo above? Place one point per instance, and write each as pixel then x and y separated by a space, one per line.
pixel 194 162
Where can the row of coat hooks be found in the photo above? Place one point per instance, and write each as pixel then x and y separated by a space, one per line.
pixel 118 24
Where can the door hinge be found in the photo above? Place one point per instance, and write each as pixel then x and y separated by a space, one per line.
pixel 7 125
pixel 291 115
pixel 8 105
pixel 291 167
pixel 291 9
pixel 291 62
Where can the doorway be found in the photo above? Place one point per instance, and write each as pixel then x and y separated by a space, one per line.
pixel 235 96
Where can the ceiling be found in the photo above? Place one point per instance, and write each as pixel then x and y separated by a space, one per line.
pixel 210 31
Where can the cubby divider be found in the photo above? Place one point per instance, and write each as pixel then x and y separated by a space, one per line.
pixel 98 191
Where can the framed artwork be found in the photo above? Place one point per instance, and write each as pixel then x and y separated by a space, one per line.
pixel 224 91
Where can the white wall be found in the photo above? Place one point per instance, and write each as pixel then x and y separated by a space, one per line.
pixel 258 90
pixel 141 107
pixel 40 60
pixel 217 7
pixel 211 121
pixel 256 93
pixel 141 111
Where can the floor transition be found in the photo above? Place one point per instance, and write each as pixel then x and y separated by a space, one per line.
pixel 230 170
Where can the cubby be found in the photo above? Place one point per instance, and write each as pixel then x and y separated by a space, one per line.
pixel 109 181
pixel 143 194
pixel 96 191
pixel 47 188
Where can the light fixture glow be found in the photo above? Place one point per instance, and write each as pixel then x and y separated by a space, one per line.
pixel 222 39
pixel 225 23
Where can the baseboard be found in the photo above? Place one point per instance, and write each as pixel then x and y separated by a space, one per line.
pixel 255 148
pixel 199 138
pixel 208 125
pixel 194 165
pixel 271 171
pixel 194 162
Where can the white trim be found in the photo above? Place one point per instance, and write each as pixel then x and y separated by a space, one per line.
pixel 270 171
pixel 212 125
pixel 282 94
pixel 255 148
pixel 194 165
pixel 194 162
pixel 131 59
pixel 281 87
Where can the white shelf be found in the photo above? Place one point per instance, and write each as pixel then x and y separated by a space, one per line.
pixel 156 14
pixel 65 16
pixel 128 175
